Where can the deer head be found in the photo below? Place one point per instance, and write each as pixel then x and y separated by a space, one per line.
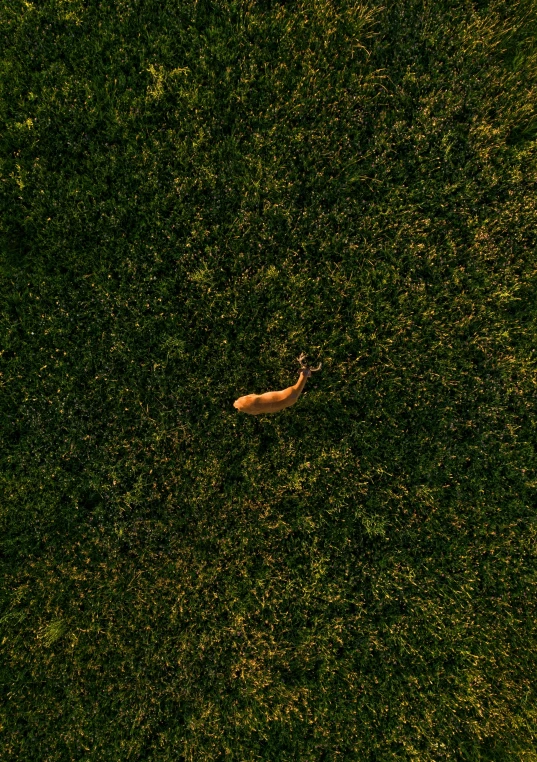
pixel 305 367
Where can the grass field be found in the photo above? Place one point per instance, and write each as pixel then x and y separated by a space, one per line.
pixel 192 193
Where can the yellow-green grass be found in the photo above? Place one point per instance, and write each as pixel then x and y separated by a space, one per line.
pixel 193 193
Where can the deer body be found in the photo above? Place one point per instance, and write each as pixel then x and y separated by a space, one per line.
pixel 273 402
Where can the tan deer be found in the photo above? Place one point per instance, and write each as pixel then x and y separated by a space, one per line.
pixel 273 402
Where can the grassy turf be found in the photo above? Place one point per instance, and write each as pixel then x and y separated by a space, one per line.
pixel 192 193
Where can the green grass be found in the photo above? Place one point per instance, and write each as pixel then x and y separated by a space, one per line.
pixel 192 194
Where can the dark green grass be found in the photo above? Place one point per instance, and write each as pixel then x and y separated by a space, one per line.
pixel 191 194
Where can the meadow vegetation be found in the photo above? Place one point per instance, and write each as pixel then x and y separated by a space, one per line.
pixel 192 193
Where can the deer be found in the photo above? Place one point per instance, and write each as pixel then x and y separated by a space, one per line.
pixel 273 402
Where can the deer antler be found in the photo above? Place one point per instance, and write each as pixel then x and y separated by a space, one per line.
pixel 305 366
pixel 301 360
